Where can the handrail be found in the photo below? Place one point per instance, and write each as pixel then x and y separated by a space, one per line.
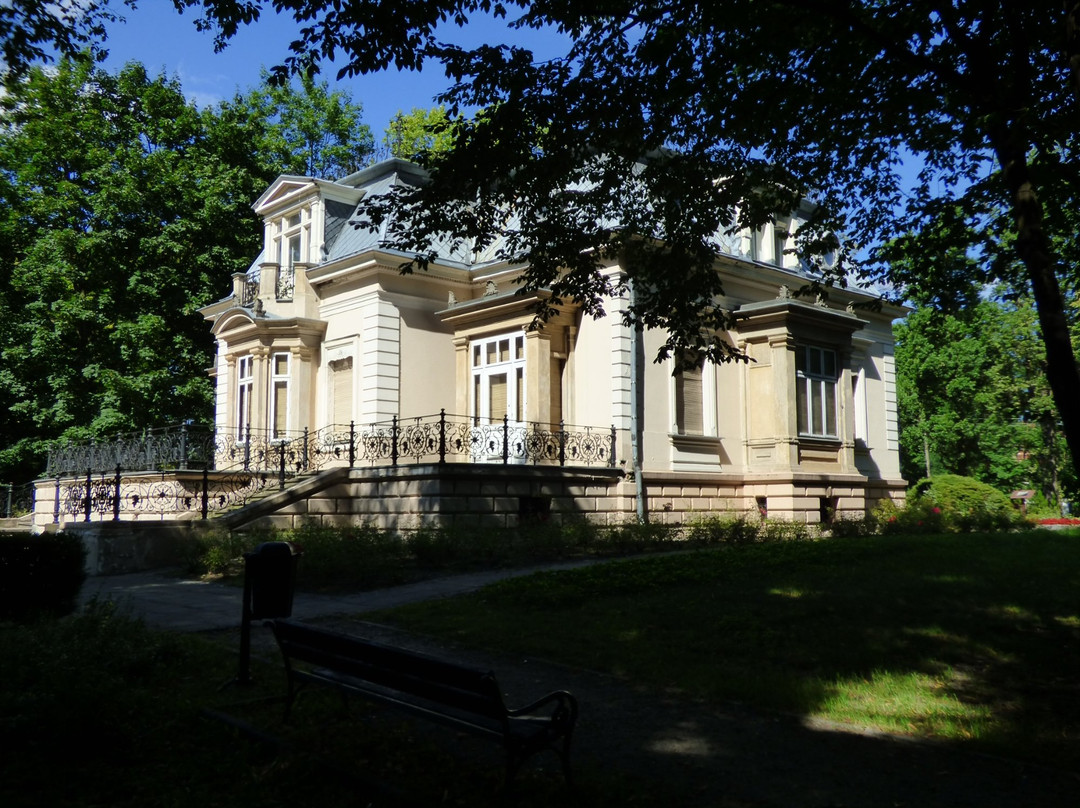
pixel 437 438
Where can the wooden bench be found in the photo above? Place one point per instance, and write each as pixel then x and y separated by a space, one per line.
pixel 460 697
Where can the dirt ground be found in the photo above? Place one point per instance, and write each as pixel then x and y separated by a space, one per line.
pixel 729 756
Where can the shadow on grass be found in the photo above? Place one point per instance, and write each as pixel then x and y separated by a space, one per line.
pixel 967 639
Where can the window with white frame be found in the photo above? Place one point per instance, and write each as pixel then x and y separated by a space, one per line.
pixel 780 242
pixel 279 395
pixel 290 247
pixel 816 373
pixel 498 372
pixel 244 379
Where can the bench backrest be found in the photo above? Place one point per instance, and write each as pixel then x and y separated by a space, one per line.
pixel 426 677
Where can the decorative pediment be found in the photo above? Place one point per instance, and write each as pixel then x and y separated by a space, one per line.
pixel 284 189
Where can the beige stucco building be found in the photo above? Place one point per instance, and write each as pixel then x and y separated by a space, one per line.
pixel 325 334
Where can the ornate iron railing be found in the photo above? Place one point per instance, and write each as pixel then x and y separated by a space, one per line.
pixel 189 469
pixel 286 282
pixel 250 291
pixel 16 500
pixel 437 438
pixel 110 495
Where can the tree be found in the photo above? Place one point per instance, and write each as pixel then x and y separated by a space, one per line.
pixel 419 134
pixel 124 209
pixel 740 109
pixel 973 399
pixel 31 30
pixel 312 132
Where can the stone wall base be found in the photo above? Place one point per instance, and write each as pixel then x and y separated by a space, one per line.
pixel 113 548
pixel 471 495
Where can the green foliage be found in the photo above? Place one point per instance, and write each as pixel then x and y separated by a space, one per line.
pixel 724 529
pixel 123 209
pixel 969 505
pixel 419 134
pixel 633 537
pixel 974 400
pixel 40 575
pixel 354 556
pixel 647 139
pixel 310 130
pixel 948 503
pixel 32 32
pixel 220 552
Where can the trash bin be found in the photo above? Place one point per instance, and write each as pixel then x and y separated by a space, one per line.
pixel 270 573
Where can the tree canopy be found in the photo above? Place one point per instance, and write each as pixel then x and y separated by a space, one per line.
pixel 664 120
pixel 123 209
pixel 973 399
pixel 312 131
pixel 419 134
pixel 667 123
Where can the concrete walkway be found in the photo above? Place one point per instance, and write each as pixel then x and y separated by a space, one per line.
pixel 165 600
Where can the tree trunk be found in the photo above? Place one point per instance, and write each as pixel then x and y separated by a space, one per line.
pixel 1032 246
pixel 926 453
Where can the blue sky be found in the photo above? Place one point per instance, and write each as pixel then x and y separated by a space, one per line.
pixel 164 40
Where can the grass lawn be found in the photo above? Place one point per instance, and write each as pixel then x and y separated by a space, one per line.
pixel 965 638
pixel 970 639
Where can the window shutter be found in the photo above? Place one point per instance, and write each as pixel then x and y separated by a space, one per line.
pixel 498 391
pixel 689 405
pixel 341 384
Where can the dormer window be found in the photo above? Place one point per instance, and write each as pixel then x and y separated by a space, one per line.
pixel 780 240
pixel 292 241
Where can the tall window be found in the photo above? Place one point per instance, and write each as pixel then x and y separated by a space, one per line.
pixel 244 380
pixel 690 400
pixel 498 370
pixel 815 383
pixel 780 239
pixel 290 252
pixel 279 395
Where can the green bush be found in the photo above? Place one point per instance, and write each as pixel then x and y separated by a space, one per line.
pixel 634 537
pixel 854 527
pixel 40 575
pixel 221 552
pixel 353 555
pixel 966 505
pixel 727 529
pixel 772 530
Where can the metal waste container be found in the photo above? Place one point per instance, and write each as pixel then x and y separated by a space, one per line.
pixel 270 578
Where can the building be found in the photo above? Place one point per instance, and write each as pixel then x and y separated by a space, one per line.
pixel 325 337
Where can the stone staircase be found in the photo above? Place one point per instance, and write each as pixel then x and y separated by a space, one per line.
pixel 273 497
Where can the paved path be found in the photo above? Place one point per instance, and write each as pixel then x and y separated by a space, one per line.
pixel 720 756
pixel 166 600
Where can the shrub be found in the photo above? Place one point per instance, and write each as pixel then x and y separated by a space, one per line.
pixel 221 552
pixel 40 575
pixel 728 529
pixel 854 527
pixel 634 537
pixel 966 505
pixel 355 555
pixel 773 530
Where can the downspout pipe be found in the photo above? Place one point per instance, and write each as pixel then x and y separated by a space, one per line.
pixel 636 355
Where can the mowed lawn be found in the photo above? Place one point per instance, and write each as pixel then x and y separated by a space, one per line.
pixel 973 639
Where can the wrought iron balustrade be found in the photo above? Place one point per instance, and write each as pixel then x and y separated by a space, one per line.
pixel 437 438
pixel 194 470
